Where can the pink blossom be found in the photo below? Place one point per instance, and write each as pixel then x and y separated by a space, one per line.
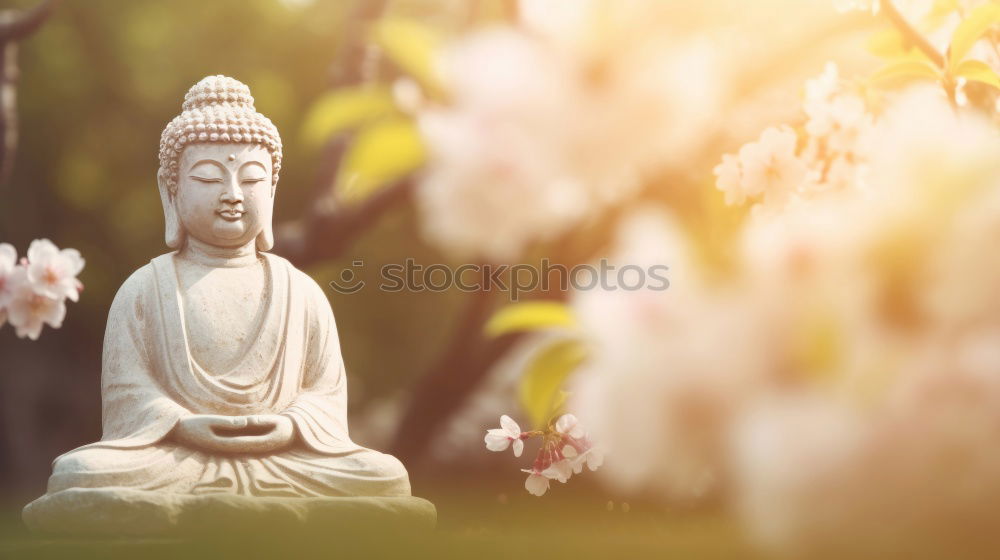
pixel 499 439
pixel 8 263
pixel 28 310
pixel 52 272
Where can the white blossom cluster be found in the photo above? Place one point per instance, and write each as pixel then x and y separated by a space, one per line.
pixel 845 370
pixel 34 290
pixel 545 127
pixel 780 166
pixel 566 448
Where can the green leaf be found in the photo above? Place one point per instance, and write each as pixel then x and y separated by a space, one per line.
pixel 530 316
pixel 906 70
pixel 411 46
pixel 382 152
pixel 541 385
pixel 979 21
pixel 344 109
pixel 978 71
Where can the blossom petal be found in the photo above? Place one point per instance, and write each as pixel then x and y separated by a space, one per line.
pixel 595 458
pixel 41 249
pixel 560 470
pixel 569 424
pixel 55 312
pixel 496 440
pixel 536 484
pixel 74 259
pixel 518 447
pixel 510 426
pixel 8 256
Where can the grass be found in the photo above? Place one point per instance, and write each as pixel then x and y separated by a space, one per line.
pixel 473 522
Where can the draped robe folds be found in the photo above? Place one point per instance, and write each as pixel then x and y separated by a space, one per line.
pixel 292 367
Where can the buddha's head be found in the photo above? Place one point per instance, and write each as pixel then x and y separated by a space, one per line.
pixel 219 163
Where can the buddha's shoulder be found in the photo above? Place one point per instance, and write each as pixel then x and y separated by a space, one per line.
pixel 140 283
pixel 299 279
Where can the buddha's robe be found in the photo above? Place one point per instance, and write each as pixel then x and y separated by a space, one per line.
pixel 294 367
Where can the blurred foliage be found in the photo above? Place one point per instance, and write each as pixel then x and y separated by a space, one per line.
pixel 411 46
pixel 532 315
pixel 540 390
pixel 384 151
pixel 344 109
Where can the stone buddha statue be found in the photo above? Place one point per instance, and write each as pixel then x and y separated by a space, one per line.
pixel 222 373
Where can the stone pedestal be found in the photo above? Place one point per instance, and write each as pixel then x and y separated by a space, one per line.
pixel 119 512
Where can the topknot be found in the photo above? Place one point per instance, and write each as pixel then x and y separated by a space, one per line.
pixel 217 109
pixel 216 90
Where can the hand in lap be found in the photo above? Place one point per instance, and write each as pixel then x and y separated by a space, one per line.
pixel 260 433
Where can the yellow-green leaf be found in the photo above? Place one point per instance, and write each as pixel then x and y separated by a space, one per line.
pixel 979 21
pixel 530 316
pixel 978 71
pixel 383 151
pixel 411 46
pixel 541 386
pixel 344 109
pixel 903 71
pixel 939 12
pixel 890 44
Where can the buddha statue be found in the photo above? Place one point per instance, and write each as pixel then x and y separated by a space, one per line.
pixel 222 372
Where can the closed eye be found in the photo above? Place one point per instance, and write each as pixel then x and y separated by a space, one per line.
pixel 207 179
pixel 253 179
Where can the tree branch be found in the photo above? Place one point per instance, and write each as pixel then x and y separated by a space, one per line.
pixel 17 26
pixel 14 27
pixel 910 33
pixel 444 388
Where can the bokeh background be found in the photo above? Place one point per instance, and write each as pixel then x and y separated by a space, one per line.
pixel 346 83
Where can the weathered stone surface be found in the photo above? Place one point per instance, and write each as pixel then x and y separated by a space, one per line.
pixel 118 512
pixel 223 383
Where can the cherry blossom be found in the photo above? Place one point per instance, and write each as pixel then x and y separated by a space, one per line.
pixel 568 424
pixel 730 179
pixel 565 450
pixel 768 167
pixel 526 120
pixel 28 310
pixel 52 272
pixel 33 290
pixel 499 439
pixel 781 168
pixel 8 263
pixel 536 483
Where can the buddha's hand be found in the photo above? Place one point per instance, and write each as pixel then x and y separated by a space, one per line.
pixel 235 434
pixel 274 432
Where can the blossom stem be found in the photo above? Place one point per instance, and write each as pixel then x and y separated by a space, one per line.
pixel 910 33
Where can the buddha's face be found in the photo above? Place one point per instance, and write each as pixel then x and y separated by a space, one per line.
pixel 224 192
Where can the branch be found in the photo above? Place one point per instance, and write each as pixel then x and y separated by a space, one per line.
pixel 326 234
pixel 329 227
pixel 911 34
pixel 349 66
pixel 443 389
pixel 14 27
pixel 17 26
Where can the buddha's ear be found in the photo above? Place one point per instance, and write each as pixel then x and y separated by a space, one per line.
pixel 174 229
